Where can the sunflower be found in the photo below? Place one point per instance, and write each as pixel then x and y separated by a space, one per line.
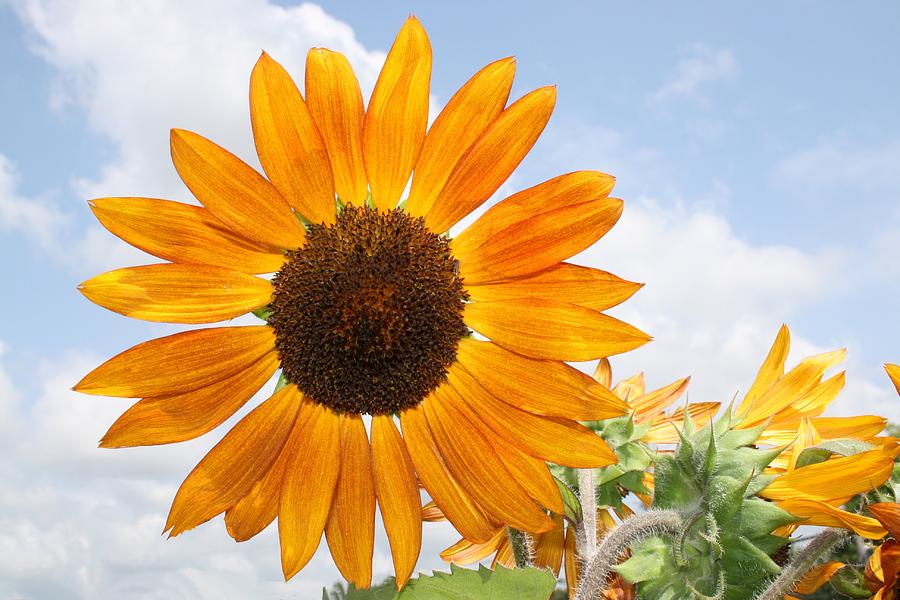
pixel 371 311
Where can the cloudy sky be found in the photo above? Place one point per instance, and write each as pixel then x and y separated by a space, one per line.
pixel 757 150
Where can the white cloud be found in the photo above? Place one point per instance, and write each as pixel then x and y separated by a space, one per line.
pixel 36 219
pixel 703 65
pixel 847 165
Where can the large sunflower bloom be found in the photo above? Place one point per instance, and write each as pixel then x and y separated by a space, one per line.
pixel 370 312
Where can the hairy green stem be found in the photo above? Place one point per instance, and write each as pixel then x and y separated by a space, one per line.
pixel 636 527
pixel 521 545
pixel 587 494
pixel 818 549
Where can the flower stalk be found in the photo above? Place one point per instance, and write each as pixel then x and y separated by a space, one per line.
pixel 819 548
pixel 522 547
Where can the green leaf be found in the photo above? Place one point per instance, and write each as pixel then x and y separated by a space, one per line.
pixel 467 584
pixel 824 451
pixel 263 312
pixel 570 501
pixel 850 581
pixel 386 590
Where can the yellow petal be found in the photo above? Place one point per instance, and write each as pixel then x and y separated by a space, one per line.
pixel 836 478
pixel 492 158
pixel 603 373
pixel 431 513
pixel 862 427
pixel 179 363
pixel 819 513
pixel 307 489
pixel 170 419
pixel 235 193
pixel 564 190
pixel 256 511
pixel 460 123
pixel 350 528
pixel 631 389
pixel 771 370
pixel 553 439
pixel 465 552
pixel 807 437
pixel 552 330
pixel 398 496
pixel 174 293
pixel 791 388
pixel 548 550
pixel 648 406
pixel 665 430
pixel 398 115
pixel 504 554
pixel 477 467
pixel 816 577
pixel 183 233
pixel 227 473
pixel 538 386
pixel 572 569
pixel 466 516
pixel 893 372
pixel 591 288
pixel 335 101
pixel 539 242
pixel 288 143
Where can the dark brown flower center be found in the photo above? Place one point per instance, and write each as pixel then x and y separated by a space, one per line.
pixel 368 314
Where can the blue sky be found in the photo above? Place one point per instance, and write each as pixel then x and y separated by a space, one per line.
pixel 757 147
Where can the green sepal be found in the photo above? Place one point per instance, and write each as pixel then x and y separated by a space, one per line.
pixel 726 496
pixel 760 517
pixel 710 459
pixel 650 559
pixel 736 438
pixel 851 582
pixel 758 484
pixel 282 381
pixel 570 500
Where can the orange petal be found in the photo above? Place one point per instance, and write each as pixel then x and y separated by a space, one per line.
pixel 235 193
pixel 334 99
pixel 540 242
pixel 816 577
pixel 836 478
pixel 893 372
pixel 563 190
pixel 603 373
pixel 460 123
pixel 179 363
pixel 504 554
pixel 431 513
pixel 465 552
pixel 538 386
pixel 175 293
pixel 307 489
pixel 591 288
pixel 398 115
pixel 888 514
pixel 553 439
pixel 771 370
pixel 256 511
pixel 170 419
pixel 492 158
pixel 862 427
pixel 398 496
pixel 571 556
pixel 548 550
pixel 183 233
pixel 825 515
pixel 477 467
pixel 649 406
pixel 350 529
pixel 288 143
pixel 466 516
pixel 227 473
pixel 552 330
